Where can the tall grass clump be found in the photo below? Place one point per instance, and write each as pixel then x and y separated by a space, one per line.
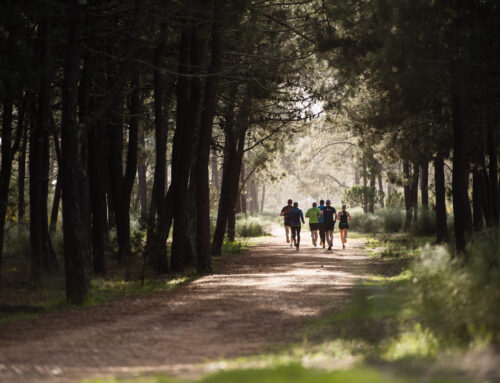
pixel 366 223
pixel 252 227
pixel 460 294
pixel 393 219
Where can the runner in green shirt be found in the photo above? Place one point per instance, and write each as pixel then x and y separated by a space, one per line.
pixel 313 215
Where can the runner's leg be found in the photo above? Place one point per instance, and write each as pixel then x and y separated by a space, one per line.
pixel 322 233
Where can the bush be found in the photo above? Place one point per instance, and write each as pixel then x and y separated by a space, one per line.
pixel 393 219
pixel 366 223
pixel 461 301
pixel 251 227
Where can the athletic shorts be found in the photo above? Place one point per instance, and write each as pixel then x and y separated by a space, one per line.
pixel 343 225
pixel 288 223
pixel 329 226
pixel 314 226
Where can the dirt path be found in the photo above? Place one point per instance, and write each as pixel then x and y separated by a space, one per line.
pixel 255 300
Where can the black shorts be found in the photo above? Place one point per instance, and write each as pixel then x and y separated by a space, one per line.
pixel 344 225
pixel 288 223
pixel 314 226
pixel 329 226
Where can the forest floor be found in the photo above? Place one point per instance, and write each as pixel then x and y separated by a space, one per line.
pixel 252 302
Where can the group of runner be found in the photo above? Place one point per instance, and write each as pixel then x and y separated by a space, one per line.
pixel 322 219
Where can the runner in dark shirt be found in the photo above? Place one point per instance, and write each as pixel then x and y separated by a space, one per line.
pixel 344 218
pixel 329 215
pixel 296 216
pixel 284 214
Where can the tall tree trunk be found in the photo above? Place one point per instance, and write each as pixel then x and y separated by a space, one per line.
pixel 6 167
pixel 188 116
pixel 241 205
pixel 424 193
pixel 439 184
pixel 209 106
pixel 460 163
pixel 215 172
pixel 262 198
pixel 407 195
pixel 356 174
pixel 75 248
pixel 414 193
pixel 233 154
pixel 41 250
pixel 241 126
pixel 365 183
pixel 141 173
pixel 381 190
pixel 493 167
pixel 254 203
pixel 130 169
pixel 57 193
pixel 156 245
pixel 83 180
pixel 371 202
pixel 21 167
pixel 116 142
pixel 477 199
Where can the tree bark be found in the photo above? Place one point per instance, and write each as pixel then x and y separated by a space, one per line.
pixel 371 202
pixel 209 106
pixel 439 184
pixel 424 193
pixel 189 96
pixel 215 172
pixel 381 190
pixel 407 195
pixel 233 155
pixel 156 245
pixel 414 193
pixel 41 250
pixel 460 163
pixel 74 242
pixel 493 168
pixel 262 198
pixel 21 168
pixel 141 175
pixel 477 199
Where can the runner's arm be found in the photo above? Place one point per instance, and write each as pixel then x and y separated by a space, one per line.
pixel 302 217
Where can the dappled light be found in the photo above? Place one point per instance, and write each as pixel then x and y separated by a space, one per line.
pixel 256 191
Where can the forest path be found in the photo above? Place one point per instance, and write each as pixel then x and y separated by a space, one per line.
pixel 254 300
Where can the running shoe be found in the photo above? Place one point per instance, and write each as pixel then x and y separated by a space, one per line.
pixel 329 248
pixel 343 246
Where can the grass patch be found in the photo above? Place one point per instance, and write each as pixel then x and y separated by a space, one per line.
pixel 253 226
pixel 291 373
pixel 396 245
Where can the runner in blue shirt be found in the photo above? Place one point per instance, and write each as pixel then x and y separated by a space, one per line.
pixel 321 226
pixel 329 214
pixel 296 216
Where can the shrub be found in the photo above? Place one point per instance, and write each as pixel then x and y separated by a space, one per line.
pixel 393 219
pixel 461 301
pixel 366 223
pixel 251 227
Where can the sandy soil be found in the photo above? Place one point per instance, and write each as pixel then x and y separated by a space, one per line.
pixel 255 300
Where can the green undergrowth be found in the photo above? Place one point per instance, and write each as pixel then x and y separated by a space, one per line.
pixel 51 296
pixel 396 245
pixel 256 225
pixel 292 373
